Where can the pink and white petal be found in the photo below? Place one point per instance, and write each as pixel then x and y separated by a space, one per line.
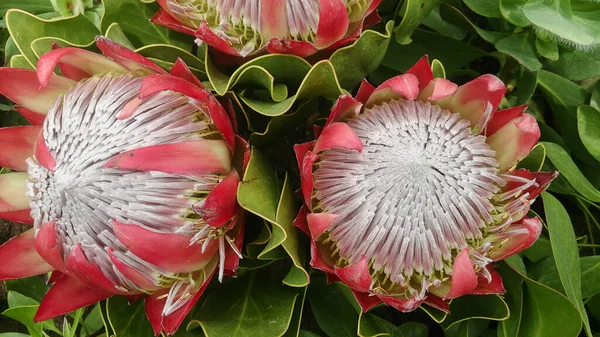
pixel 48 245
pixel 422 70
pixel 42 153
pixel 365 91
pixel 319 222
pixel 345 107
pixel 32 117
pixel 232 259
pixel 200 157
pixel 127 57
pixel 17 145
pixel 273 18
pixel 502 117
pixel 306 177
pixel 132 274
pixel 515 239
pixel 181 70
pixel 319 258
pixel 464 279
pixel 164 19
pixel 154 306
pixel 471 99
pixel 205 34
pixel 20 259
pixel 22 87
pixel 66 295
pixel 13 192
pixel 22 216
pixel 220 205
pixel 333 23
pixel 172 322
pixel 403 305
pixel 489 287
pixel 176 253
pixel 291 47
pixel 542 180
pixel 357 277
pixel 404 86
pixel 338 135
pixel 438 91
pixel 89 273
pixel 75 63
pixel 300 150
pixel 514 141
pixel 366 300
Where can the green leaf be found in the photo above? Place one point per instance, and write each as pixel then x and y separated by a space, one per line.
pixel 133 17
pixel 93 321
pixel 588 124
pixel 281 125
pixel 513 283
pixel 336 316
pixel 414 13
pixel 491 307
pixel 595 99
pixel 33 287
pixel 23 309
pixel 487 8
pixel 539 250
pixel 521 47
pixel 512 11
pixel 15 299
pixel 411 329
pixel 590 276
pixel 566 253
pixel 253 305
pixel 437 68
pixel 563 162
pixel 127 320
pixel 13 334
pixel 25 28
pixel 296 321
pixel 452 53
pixel 547 48
pixel 115 33
pixel 258 191
pixel 577 65
pixel 526 85
pixel 453 15
pixel 31 6
pixel 169 54
pixel 370 325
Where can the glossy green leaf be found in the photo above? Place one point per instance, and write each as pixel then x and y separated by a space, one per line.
pixel 595 99
pixel 539 250
pixel 435 21
pixel 415 11
pixel 133 17
pixel 521 47
pixel 115 33
pixel 453 15
pixel 127 320
pixel 25 28
pixel 279 126
pixel 512 11
pixel 513 283
pixel 253 305
pixel 491 307
pixel 547 48
pixel 590 276
pixel 34 287
pixel 488 8
pixel 411 329
pixel 296 321
pixel 93 321
pixel 259 190
pixel 526 85
pixel 588 124
pixel 566 253
pixel 332 309
pixel 30 6
pixel 23 309
pixel 563 162
pixel 437 68
pixel 370 325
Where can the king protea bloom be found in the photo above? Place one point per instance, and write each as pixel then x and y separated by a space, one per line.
pixel 411 192
pixel 128 178
pixel 245 27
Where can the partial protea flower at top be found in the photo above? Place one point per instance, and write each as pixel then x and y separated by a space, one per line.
pixel 244 27
pixel 127 175
pixel 411 191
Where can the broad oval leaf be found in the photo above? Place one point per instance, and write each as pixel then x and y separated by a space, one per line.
pixel 588 123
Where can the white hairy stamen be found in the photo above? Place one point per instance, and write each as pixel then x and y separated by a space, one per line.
pixel 419 191
pixel 82 132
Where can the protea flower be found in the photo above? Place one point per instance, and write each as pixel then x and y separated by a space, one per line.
pixel 244 27
pixel 127 175
pixel 411 191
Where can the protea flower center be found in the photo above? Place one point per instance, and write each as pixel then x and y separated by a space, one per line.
pixel 418 193
pixel 93 130
pixel 248 25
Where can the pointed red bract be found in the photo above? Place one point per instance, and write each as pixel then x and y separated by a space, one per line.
pixel 422 71
pixel 292 47
pixel 49 247
pixel 205 34
pixel 464 279
pixel 201 157
pixel 17 145
pixel 489 287
pixel 404 86
pixel 175 253
pixel 318 223
pixel 333 22
pixel 66 295
pixel 501 117
pixel 163 18
pixel 220 205
pixel 42 153
pixel 338 135
pixel 357 277
pixel 20 259
pixel 89 273
pixel 22 216
pixel 402 304
pixel 525 234
pixel 345 107
pixel 127 57
pixel 131 273
pixel 307 180
pixel 32 117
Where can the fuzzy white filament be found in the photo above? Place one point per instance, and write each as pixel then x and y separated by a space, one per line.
pixel 418 191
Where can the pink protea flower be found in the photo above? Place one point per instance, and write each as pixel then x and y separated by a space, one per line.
pixel 411 193
pixel 244 27
pixel 127 175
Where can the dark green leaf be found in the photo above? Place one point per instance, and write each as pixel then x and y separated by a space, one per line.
pixel 411 329
pixel 526 85
pixel 521 47
pixel 512 11
pixel 577 64
pixel 491 307
pixel 588 123
pixel 547 48
pixel 33 287
pixel 513 283
pixel 453 15
pixel 488 8
pixel 566 253
pixel 127 320
pixel 415 11
pixel 370 325
pixel 253 305
pixel 331 308
pixel 590 276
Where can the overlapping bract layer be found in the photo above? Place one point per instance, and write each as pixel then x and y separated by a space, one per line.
pixel 245 27
pixel 411 191
pixel 131 182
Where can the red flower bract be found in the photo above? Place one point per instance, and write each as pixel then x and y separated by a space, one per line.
pixel 245 27
pixel 411 191
pixel 130 182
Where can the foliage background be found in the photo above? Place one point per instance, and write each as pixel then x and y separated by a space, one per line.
pixel 546 51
